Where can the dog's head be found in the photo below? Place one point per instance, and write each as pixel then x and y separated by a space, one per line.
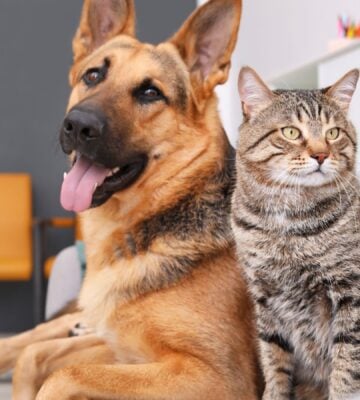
pixel 133 104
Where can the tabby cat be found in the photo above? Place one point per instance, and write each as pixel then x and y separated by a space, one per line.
pixel 296 219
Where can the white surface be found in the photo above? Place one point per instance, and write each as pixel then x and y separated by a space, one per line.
pixel 5 391
pixel 306 76
pixel 330 71
pixel 277 36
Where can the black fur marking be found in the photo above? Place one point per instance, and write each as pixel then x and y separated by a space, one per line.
pixel 270 157
pixel 327 116
pixel 322 226
pixel 348 301
pixel 329 205
pixel 313 109
pixel 278 340
pixel 195 214
pixel 173 269
pixel 284 371
pixel 344 338
pixel 277 146
pixel 241 223
pixel 260 140
pixel 304 108
pixel 131 244
pixel 198 223
pixel 262 301
pixel 355 375
pixel 319 110
pixel 348 281
pixel 351 139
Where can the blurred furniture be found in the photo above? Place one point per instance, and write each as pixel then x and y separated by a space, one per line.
pixel 16 234
pixel 16 244
pixel 23 239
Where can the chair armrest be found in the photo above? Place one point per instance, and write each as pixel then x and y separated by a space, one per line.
pixel 56 222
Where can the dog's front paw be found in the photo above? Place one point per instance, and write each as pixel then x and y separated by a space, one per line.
pixel 80 330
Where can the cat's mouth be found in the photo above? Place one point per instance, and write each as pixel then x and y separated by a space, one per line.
pixel 307 177
pixel 317 170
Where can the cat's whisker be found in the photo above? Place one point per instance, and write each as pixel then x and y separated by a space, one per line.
pixel 339 190
pixel 354 211
pixel 354 176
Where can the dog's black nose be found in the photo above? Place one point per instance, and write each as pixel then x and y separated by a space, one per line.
pixel 82 126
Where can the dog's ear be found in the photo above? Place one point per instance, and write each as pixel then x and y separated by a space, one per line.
pixel 207 40
pixel 100 21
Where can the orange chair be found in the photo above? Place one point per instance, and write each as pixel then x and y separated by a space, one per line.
pixel 17 261
pixel 16 244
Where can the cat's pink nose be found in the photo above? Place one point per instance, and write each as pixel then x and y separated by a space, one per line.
pixel 320 157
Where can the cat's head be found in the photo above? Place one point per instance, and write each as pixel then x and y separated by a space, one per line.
pixel 297 137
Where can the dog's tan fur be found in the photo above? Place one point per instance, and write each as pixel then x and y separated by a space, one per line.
pixel 183 335
pixel 11 347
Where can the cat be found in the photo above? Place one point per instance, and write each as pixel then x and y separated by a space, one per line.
pixel 296 221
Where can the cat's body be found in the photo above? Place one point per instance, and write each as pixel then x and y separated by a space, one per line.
pixel 296 219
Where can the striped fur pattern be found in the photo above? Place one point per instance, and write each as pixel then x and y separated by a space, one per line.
pixel 296 222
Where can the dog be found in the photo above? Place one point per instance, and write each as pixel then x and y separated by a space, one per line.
pixel 152 174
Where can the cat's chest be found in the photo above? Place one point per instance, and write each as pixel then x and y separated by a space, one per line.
pixel 296 297
pixel 290 272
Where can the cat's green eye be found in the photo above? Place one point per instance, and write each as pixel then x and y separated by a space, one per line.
pixel 333 134
pixel 291 133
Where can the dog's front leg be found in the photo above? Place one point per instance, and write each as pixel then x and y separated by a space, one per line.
pixel 177 378
pixel 40 360
pixel 10 348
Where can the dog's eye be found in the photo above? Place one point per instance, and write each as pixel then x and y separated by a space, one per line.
pixel 152 93
pixel 148 93
pixel 92 77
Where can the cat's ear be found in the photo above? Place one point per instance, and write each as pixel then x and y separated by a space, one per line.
pixel 342 91
pixel 254 94
pixel 100 21
pixel 207 40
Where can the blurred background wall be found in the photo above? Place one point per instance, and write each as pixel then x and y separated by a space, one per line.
pixel 35 47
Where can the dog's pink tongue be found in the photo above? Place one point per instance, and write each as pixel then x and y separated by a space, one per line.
pixel 79 185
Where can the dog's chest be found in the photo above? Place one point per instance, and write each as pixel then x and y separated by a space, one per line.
pixel 99 297
pixel 102 301
pixel 128 345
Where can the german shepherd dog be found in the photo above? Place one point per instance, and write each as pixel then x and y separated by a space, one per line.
pixel 152 177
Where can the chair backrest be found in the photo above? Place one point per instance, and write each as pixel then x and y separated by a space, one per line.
pixel 15 227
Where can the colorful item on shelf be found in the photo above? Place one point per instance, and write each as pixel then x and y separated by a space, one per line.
pixel 348 28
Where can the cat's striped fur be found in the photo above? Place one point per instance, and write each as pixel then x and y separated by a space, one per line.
pixel 296 221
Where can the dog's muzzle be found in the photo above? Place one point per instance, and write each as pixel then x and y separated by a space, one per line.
pixel 82 130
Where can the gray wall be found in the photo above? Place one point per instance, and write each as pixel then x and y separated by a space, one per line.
pixel 35 55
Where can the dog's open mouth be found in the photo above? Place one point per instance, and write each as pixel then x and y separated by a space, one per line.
pixel 89 184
